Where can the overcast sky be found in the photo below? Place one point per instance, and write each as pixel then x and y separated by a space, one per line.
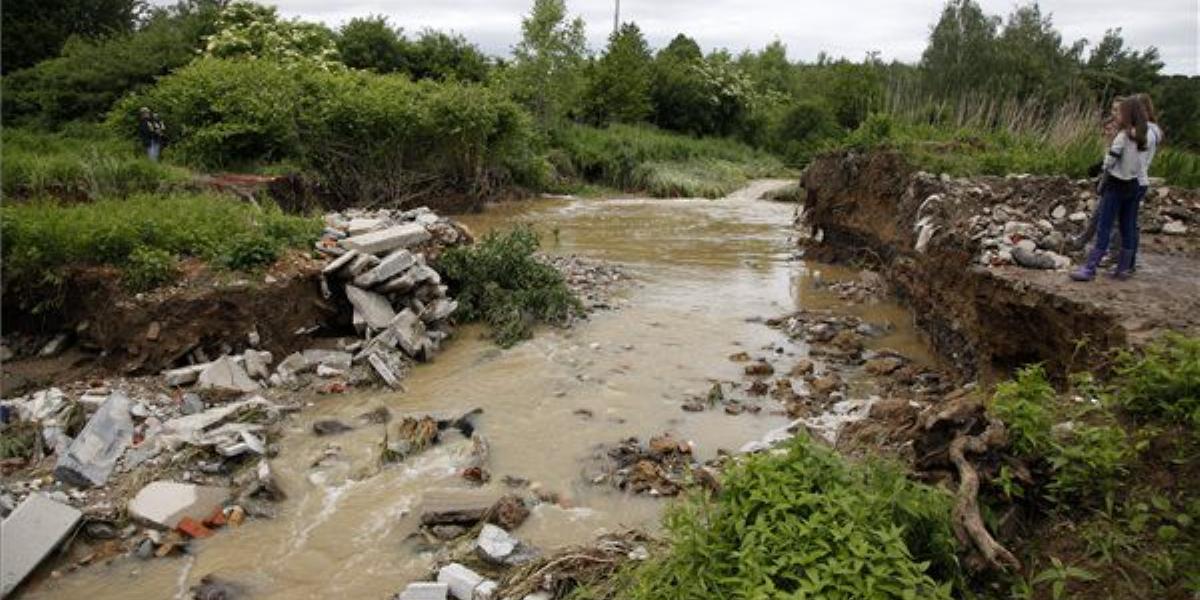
pixel 850 28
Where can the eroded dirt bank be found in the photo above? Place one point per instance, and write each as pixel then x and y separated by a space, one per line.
pixel 982 261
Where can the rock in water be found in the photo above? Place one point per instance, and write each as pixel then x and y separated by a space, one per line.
pixel 90 459
pixel 166 503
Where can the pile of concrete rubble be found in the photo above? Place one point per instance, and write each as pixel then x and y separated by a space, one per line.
pixel 1033 222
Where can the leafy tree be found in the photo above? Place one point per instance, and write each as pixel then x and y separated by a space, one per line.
pixel 547 67
pixel 677 90
pixel 1112 69
pixel 960 54
pixel 619 89
pixel 1177 100
pixel 370 43
pixel 1032 60
pixel 442 56
pixel 769 69
pixel 35 30
pixel 90 75
pixel 255 31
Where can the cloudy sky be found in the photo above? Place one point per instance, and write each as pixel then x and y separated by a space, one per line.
pixel 850 28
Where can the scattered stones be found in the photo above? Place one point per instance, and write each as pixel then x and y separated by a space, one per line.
pixel 425 590
pixel 509 512
pixel 660 468
pixel 165 503
pixel 802 367
pixel 29 534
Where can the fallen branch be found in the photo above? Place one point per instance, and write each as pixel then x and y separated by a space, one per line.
pixel 968 524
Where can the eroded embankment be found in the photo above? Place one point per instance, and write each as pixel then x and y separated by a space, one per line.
pixel 982 261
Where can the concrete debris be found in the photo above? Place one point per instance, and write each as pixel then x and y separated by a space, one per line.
pixel 334 359
pixel 225 373
pixel 465 584
pixel 90 459
pixel 375 309
pixel 425 590
pixel 455 506
pixel 393 264
pixel 660 468
pixel 29 535
pixel 392 238
pixel 258 363
pixel 165 503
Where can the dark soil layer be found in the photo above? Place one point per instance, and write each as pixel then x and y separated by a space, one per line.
pixel 986 320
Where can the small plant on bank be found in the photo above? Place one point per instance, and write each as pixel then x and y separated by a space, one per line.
pixel 148 268
pixel 807 524
pixel 501 282
pixel 1163 382
pixel 1025 405
pixel 248 252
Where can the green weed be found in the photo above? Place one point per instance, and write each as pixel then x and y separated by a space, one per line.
pixel 499 281
pixel 1163 381
pixel 148 268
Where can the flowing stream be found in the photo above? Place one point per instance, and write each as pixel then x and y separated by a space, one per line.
pixel 705 273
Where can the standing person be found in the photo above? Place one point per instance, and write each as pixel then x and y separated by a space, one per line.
pixel 1109 128
pixel 150 132
pixel 1154 137
pixel 1118 203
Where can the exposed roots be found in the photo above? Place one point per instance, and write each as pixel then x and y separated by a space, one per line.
pixel 968 524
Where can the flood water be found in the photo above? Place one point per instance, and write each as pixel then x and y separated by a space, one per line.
pixel 704 273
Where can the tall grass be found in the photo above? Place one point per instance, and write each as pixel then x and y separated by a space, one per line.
pixel 644 159
pixel 82 162
pixel 145 232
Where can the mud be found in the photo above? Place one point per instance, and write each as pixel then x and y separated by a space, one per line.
pixel 923 234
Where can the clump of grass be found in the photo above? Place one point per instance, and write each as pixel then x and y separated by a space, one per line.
pixel 79 163
pixel 1163 381
pixel 644 159
pixel 807 524
pixel 500 281
pixel 142 234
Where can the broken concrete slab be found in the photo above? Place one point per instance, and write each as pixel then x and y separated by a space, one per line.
pixel 183 375
pixel 384 368
pixel 455 507
pixel 258 363
pixel 495 545
pixel 408 331
pixel 90 459
pixel 401 284
pixel 334 359
pixel 226 374
pixel 374 308
pixel 29 534
pixel 439 310
pixel 360 226
pixel 359 265
pixel 392 265
pixel 392 238
pixel 165 503
pixel 460 580
pixel 425 590
pixel 294 363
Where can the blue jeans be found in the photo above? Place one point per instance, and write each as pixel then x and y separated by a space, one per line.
pixel 1120 204
pixel 154 149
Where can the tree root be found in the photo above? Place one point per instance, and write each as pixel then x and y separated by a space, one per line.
pixel 968 524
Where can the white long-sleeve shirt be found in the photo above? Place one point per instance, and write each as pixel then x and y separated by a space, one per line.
pixel 1153 135
pixel 1123 160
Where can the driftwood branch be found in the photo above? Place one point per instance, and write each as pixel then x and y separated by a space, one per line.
pixel 968 524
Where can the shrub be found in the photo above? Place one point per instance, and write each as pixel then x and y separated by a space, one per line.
pixel 1163 381
pixel 1025 404
pixel 499 281
pixel 249 251
pixel 368 138
pixel 148 268
pixel 807 524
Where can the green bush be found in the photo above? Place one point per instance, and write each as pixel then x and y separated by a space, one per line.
pixel 367 137
pixel 640 158
pixel 1163 381
pixel 807 524
pixel 499 281
pixel 1026 405
pixel 250 251
pixel 148 268
pixel 80 162
pixel 43 238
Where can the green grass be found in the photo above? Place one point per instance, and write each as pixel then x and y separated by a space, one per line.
pixel 664 164
pixel 82 162
pixel 807 524
pixel 142 234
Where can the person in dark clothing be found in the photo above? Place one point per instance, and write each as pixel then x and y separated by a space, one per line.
pixel 150 131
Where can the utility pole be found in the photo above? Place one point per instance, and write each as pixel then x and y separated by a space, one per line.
pixel 617 18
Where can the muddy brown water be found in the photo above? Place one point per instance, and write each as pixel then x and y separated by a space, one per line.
pixel 705 274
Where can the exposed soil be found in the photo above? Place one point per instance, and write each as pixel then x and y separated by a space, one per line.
pixel 929 237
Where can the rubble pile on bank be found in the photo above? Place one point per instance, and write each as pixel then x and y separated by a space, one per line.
pixel 1032 221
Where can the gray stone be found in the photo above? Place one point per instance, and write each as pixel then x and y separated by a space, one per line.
pixel 29 534
pixel 425 590
pixel 1174 228
pixel 486 590
pixel 495 545
pixel 1077 217
pixel 258 363
pixel 334 359
pixel 360 226
pixel 294 363
pixel 392 265
pixel 408 331
pixel 165 503
pixel 392 238
pixel 226 374
pixel 455 507
pixel 340 262
pixel 460 580
pixel 439 310
pixel 1059 213
pixel 374 308
pixel 90 459
pixel 1031 260
pixel 383 367
pixel 1027 245
pixel 400 284
pixel 183 375
pixel 55 346
pixel 191 404
pixel 359 265
pixel 426 273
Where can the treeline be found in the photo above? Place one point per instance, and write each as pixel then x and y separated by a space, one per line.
pixel 376 112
